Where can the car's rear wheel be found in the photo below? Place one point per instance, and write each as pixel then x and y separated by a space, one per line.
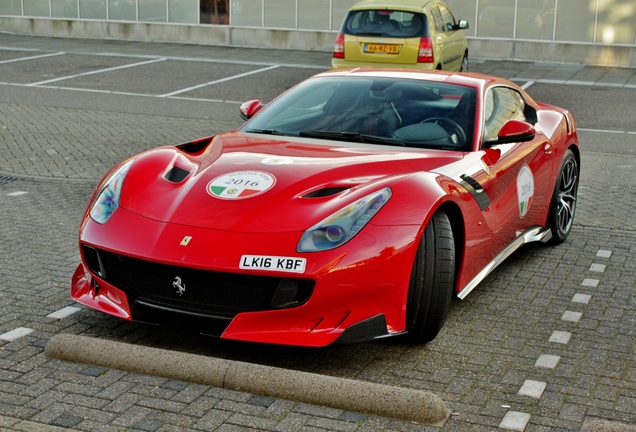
pixel 564 199
pixel 464 66
pixel 432 280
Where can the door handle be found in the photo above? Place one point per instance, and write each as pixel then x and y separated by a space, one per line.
pixel 547 148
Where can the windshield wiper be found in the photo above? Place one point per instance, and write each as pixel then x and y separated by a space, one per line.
pixel 350 137
pixel 265 131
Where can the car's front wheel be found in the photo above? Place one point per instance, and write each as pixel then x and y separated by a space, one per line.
pixel 564 199
pixel 432 280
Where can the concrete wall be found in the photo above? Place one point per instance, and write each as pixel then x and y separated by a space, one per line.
pixel 591 54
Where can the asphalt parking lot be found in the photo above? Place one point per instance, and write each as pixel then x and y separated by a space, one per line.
pixel 546 343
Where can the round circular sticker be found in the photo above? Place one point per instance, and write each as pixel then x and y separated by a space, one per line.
pixel 525 189
pixel 241 184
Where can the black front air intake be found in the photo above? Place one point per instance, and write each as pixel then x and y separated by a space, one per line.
pixel 194 291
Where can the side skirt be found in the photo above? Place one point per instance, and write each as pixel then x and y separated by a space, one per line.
pixel 533 234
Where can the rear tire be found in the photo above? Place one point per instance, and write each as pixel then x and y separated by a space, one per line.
pixel 432 280
pixel 563 206
pixel 464 66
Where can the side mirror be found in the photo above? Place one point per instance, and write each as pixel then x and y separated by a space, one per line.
pixel 463 24
pixel 250 108
pixel 513 131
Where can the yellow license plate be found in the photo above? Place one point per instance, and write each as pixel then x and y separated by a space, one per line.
pixel 381 48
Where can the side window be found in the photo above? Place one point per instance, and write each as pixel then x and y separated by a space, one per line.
pixel 448 18
pixel 502 104
pixel 437 19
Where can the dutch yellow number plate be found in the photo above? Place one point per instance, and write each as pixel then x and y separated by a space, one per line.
pixel 381 48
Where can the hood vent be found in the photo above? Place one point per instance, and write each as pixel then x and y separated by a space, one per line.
pixel 325 192
pixel 176 175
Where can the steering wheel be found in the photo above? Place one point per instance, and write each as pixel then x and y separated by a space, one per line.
pixel 455 128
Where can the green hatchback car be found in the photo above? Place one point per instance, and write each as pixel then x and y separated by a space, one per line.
pixel 421 34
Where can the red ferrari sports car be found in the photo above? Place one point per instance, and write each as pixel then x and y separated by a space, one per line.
pixel 354 206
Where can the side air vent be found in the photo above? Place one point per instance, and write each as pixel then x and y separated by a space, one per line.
pixel 194 147
pixel 325 192
pixel 176 175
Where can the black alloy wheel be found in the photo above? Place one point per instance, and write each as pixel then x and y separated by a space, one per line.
pixel 564 200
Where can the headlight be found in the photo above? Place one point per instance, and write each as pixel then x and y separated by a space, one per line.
pixel 343 225
pixel 107 200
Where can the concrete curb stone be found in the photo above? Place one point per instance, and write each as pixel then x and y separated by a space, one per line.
pixel 370 398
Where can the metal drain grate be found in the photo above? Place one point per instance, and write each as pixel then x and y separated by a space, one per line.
pixel 6 180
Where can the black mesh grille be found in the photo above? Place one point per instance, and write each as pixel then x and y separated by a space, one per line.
pixel 206 293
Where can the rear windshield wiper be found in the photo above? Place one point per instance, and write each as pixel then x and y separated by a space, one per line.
pixel 350 137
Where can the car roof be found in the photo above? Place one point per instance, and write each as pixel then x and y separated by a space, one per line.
pixel 469 79
pixel 412 5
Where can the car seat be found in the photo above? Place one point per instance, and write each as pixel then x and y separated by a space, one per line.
pixel 384 122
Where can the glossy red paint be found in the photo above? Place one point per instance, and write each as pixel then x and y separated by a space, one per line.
pixel 367 276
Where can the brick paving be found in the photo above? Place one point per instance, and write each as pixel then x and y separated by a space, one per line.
pixel 546 343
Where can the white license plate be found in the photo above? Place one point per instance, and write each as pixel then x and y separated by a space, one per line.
pixel 274 263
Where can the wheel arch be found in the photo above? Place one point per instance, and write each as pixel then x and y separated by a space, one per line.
pixel 577 154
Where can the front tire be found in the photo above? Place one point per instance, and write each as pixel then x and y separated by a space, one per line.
pixel 563 206
pixel 432 280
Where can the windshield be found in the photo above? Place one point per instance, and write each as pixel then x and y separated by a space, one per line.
pixel 375 110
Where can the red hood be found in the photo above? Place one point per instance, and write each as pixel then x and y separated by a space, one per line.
pixel 297 183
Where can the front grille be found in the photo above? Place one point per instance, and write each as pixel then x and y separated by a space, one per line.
pixel 206 292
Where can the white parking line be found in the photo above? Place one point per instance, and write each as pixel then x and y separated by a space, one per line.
pixel 561 337
pixel 12 335
pixel 95 72
pixel 529 81
pixel 528 84
pixel 620 132
pixel 219 81
pixel 64 312
pixel 32 57
pixel 572 316
pixel 531 388
pixel 113 92
pixel 592 283
pixel 515 421
pixel 597 268
pixel 185 59
pixel 547 361
pixel 581 298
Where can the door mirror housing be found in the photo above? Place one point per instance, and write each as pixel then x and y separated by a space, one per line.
pixel 462 24
pixel 250 108
pixel 513 131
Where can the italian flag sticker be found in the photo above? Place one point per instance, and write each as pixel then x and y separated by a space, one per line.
pixel 241 184
pixel 525 189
